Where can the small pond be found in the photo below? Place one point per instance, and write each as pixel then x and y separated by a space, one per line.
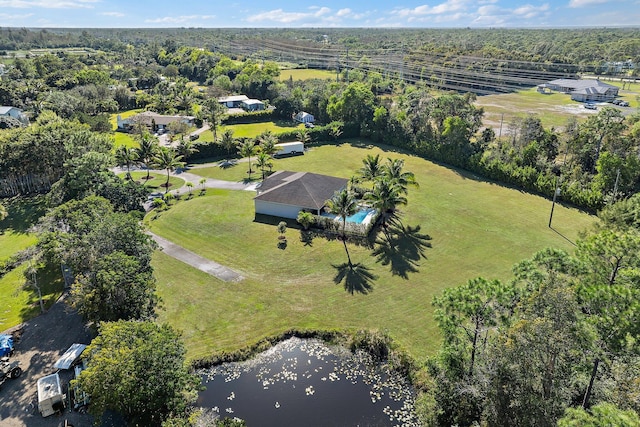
pixel 307 382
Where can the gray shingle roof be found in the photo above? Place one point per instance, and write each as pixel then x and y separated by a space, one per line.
pixel 303 189
pixel 581 84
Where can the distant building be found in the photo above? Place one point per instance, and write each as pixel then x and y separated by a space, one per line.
pixel 252 105
pixel 303 117
pixel 233 101
pixel 13 116
pixel 586 90
pixel 153 121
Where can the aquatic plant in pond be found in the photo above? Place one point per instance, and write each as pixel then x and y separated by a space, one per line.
pixel 302 381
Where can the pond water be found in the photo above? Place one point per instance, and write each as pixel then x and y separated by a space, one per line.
pixel 306 382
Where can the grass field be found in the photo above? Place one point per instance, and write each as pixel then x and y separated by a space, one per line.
pixel 477 228
pixel 307 74
pixel 157 181
pixel 122 138
pixel 18 303
pixel 251 130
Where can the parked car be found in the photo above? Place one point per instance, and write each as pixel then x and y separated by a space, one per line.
pixel 590 106
pixel 623 104
pixel 309 125
pixel 616 101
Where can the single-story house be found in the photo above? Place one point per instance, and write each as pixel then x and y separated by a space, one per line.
pixel 233 101
pixel 152 120
pixel 284 194
pixel 252 105
pixel 304 117
pixel 587 90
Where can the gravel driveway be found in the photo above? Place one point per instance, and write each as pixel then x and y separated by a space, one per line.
pixel 42 341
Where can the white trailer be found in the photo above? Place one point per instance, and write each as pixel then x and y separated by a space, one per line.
pixel 50 397
pixel 289 148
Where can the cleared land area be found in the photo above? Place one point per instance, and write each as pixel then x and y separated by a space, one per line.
pixel 307 74
pixel 478 228
pixel 554 109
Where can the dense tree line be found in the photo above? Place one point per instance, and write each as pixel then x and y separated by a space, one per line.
pixel 561 334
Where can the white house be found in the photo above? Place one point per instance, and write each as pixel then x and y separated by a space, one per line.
pixel 284 194
pixel 233 101
pixel 152 120
pixel 304 117
pixel 252 105
pixel 13 113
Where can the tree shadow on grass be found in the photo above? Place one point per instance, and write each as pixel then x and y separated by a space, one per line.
pixel 402 248
pixel 355 277
pixel 228 164
pixel 24 212
pixel 306 237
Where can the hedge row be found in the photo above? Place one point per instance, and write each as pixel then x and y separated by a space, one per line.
pixel 249 117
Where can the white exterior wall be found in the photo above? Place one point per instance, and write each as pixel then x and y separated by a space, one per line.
pixel 276 209
pixel 289 147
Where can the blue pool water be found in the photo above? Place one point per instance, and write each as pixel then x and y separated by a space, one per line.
pixel 357 218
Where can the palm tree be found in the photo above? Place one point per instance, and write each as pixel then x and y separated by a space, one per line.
pixel 147 149
pixel 392 171
pixel 247 149
pixel 263 161
pixel 268 143
pixel 186 148
pixel 169 160
pixel 343 204
pixel 126 156
pixel 303 136
pixel 371 168
pixel 385 197
pixel 190 186
pixel 202 182
pixel 228 142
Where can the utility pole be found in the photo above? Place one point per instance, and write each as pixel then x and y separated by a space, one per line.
pixel 556 193
pixel 501 120
pixel 347 65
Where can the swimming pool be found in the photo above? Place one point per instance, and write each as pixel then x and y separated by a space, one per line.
pixel 363 216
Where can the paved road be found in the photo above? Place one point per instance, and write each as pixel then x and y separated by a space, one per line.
pixel 203 264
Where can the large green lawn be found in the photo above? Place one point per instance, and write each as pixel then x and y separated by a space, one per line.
pixel 20 303
pixel 478 228
pixel 251 130
pixel 122 138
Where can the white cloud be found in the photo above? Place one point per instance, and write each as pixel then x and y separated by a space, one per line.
pixel 48 4
pixel 14 17
pixel 492 15
pixel 322 11
pixel 582 3
pixel 116 14
pixel 425 9
pixel 184 19
pixel 280 16
pixel 528 11
pixel 344 12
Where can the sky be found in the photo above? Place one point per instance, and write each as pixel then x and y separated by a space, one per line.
pixel 318 13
